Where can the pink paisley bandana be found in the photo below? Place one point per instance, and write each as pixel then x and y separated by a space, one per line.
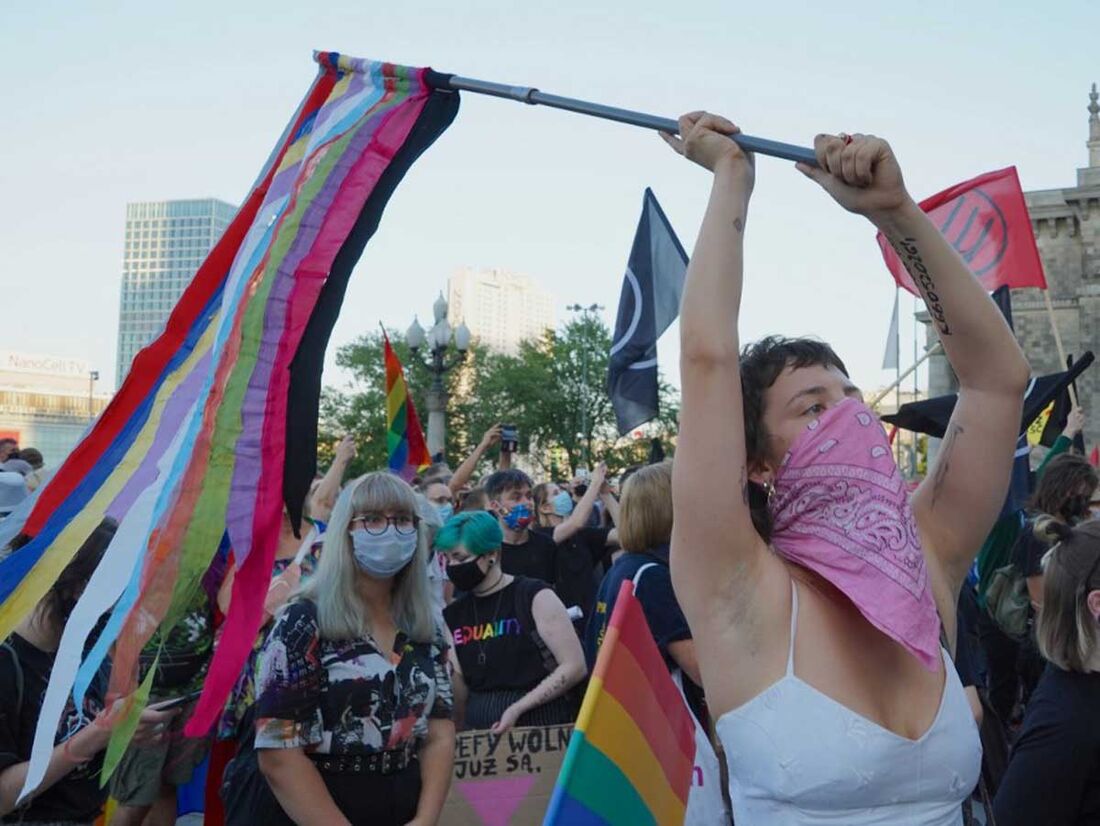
pixel 841 509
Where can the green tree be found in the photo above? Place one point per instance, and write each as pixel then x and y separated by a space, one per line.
pixel 554 390
pixel 359 408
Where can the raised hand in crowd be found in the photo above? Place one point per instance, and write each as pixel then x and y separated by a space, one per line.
pixel 323 498
pixel 466 470
pixel 1075 423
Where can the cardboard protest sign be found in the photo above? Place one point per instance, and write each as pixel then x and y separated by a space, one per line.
pixel 505 780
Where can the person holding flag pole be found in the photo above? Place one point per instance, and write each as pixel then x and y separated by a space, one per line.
pixel 846 709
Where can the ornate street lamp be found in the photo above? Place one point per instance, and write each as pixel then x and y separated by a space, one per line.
pixel 438 340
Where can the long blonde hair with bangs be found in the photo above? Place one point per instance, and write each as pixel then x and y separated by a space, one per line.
pixel 341 612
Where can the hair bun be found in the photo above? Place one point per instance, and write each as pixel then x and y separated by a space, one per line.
pixel 1050 530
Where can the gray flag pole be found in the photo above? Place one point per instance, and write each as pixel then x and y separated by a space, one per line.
pixel 534 97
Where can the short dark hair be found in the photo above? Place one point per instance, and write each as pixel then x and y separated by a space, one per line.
pixel 1061 483
pixel 503 481
pixel 762 362
pixel 32 456
pixel 59 601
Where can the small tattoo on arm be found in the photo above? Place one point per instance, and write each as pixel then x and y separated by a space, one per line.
pixel 944 462
pixel 907 251
pixel 738 224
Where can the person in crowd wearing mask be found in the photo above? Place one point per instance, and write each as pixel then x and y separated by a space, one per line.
pixel 645 530
pixel 581 549
pixel 1002 652
pixel 353 697
pixel 441 498
pixel 70 792
pixel 816 588
pixel 1063 494
pixel 516 655
pixel 548 555
pixel 1053 776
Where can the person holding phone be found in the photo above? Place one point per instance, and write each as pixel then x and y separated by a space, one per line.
pixel 70 792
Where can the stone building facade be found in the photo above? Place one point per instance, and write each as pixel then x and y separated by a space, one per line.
pixel 1066 223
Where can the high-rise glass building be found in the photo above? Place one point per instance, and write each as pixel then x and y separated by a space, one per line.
pixel 166 241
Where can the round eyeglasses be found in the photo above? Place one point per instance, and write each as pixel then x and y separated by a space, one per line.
pixel 376 523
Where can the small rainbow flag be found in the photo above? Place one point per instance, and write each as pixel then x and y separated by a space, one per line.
pixel 404 437
pixel 631 756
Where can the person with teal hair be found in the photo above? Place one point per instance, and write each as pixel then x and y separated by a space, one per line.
pixel 515 653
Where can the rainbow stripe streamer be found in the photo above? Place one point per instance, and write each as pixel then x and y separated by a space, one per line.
pixel 404 438
pixel 194 444
pixel 630 759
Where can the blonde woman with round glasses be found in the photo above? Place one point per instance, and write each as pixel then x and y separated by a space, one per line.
pixel 353 697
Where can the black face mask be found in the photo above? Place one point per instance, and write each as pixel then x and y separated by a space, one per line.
pixel 466 575
pixel 1075 508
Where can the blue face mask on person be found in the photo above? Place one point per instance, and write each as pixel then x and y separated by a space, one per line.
pixel 563 503
pixel 519 517
pixel 383 555
pixel 445 511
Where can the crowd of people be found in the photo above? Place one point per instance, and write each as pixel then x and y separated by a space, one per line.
pixel 853 653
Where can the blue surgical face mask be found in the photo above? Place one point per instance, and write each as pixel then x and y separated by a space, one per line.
pixel 383 555
pixel 445 511
pixel 563 503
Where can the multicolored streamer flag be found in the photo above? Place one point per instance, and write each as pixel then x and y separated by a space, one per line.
pixel 404 437
pixel 632 753
pixel 216 421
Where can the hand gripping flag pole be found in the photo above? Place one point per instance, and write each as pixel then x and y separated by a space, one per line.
pixel 533 97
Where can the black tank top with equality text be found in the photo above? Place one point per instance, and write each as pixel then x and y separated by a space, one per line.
pixel 495 637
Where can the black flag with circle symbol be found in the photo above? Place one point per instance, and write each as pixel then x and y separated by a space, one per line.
pixel 649 303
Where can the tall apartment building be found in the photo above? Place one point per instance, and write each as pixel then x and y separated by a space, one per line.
pixel 501 308
pixel 166 241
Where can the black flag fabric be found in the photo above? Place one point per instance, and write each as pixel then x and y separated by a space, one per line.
pixel 649 303
pixel 931 415
pixel 1056 422
pixel 1019 486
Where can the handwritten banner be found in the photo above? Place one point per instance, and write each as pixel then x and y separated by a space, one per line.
pixel 505 780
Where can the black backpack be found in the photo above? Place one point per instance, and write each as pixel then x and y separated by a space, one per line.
pixel 244 790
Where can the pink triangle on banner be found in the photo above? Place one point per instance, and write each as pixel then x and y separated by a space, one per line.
pixel 495 801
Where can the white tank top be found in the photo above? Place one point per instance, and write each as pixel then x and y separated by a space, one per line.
pixel 796 756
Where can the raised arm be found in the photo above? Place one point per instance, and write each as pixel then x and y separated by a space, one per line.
pixel 328 489
pixel 715 549
pixel 957 504
pixel 579 517
pixel 466 470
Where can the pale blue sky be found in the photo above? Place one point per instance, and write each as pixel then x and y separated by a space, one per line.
pixel 110 103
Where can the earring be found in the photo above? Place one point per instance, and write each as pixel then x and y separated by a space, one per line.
pixel 769 491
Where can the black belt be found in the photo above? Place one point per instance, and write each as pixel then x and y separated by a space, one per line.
pixel 379 762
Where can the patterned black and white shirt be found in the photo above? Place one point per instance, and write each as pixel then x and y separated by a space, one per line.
pixel 346 696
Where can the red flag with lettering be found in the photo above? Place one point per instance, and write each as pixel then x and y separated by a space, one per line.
pixel 986 221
